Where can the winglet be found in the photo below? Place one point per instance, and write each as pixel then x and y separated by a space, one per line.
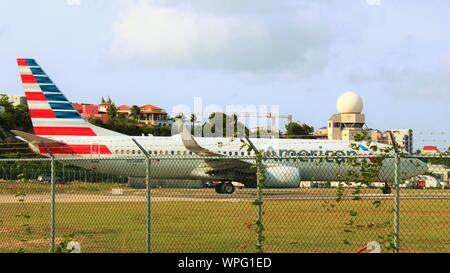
pixel 189 141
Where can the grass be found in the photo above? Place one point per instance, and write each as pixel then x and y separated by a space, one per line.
pixel 210 226
pixel 14 187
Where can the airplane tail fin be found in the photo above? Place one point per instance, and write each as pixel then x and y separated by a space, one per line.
pixel 51 112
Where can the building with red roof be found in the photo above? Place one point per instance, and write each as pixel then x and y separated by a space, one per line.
pixel 153 115
pixel 431 150
pixel 103 107
pixel 124 110
pixel 150 115
pixel 90 111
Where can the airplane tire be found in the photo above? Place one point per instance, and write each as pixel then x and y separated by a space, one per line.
pixel 386 190
pixel 218 187
pixel 227 188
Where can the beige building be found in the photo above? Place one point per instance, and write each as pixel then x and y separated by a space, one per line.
pixel 349 121
pixel 321 133
pixel 15 99
pixel 402 137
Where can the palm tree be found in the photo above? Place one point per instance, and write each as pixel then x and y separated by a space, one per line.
pixel 135 112
pixel 112 111
pixel 193 120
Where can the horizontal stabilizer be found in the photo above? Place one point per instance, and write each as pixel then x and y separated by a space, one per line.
pixel 36 140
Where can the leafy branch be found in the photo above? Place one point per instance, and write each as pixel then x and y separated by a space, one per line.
pixel 363 171
pixel 260 184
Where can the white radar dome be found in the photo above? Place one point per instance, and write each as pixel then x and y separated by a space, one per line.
pixel 349 102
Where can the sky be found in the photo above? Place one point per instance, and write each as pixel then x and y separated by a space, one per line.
pixel 298 55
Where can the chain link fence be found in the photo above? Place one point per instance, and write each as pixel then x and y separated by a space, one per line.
pixel 310 204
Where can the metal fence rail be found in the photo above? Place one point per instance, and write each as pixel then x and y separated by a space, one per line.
pixel 310 204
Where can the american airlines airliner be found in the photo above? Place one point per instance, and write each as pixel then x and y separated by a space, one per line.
pixel 60 132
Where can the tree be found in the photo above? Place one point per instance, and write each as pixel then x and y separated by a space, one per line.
pixel 14 118
pixel 95 121
pixel 129 127
pixel 4 101
pixel 193 120
pixel 22 118
pixel 226 122
pixel 103 100
pixel 109 100
pixel 135 112
pixel 112 111
pixel 299 130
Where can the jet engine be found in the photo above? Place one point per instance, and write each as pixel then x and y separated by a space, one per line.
pixel 282 177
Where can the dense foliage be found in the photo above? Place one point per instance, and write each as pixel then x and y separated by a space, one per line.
pixel 14 118
pixel 299 130
pixel 130 127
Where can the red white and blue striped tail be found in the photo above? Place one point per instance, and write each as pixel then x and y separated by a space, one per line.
pixel 51 112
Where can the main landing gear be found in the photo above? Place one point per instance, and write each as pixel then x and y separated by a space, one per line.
pixel 386 189
pixel 224 187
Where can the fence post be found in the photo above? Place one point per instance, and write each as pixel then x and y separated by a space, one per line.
pixel 52 206
pixel 259 196
pixel 52 197
pixel 148 196
pixel 397 205
pixel 259 208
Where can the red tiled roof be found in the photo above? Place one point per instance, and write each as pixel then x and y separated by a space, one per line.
pixel 150 107
pixel 124 107
pixel 430 148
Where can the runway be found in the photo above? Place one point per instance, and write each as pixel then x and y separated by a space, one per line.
pixel 208 195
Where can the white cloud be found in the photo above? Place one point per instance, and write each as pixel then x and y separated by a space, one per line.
pixel 209 36
pixel 393 53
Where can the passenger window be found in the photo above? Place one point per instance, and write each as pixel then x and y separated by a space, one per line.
pixel 139 152
pixel 230 153
pixel 128 151
pixel 132 151
pixel 172 153
pixel 149 152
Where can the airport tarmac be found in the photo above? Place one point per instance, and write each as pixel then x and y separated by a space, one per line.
pixel 208 195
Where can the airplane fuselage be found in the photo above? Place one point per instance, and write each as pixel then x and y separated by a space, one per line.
pixel 170 159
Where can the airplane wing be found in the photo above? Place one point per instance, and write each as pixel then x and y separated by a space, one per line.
pixel 36 140
pixel 218 166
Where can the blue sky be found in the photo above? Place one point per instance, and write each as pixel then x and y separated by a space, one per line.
pixel 298 54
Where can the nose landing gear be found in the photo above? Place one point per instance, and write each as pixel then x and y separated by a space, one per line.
pixel 224 188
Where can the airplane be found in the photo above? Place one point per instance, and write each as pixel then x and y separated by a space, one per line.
pixel 61 132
